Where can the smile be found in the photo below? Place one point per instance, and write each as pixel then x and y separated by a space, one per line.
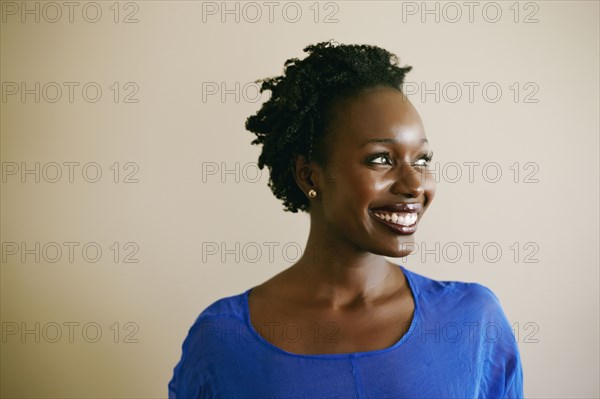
pixel 403 223
pixel 399 218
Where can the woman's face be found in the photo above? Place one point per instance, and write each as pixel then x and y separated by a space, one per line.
pixel 376 185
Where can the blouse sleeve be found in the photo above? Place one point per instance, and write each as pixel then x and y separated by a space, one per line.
pixel 188 380
pixel 506 352
pixel 514 388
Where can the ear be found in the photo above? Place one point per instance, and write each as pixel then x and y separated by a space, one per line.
pixel 306 174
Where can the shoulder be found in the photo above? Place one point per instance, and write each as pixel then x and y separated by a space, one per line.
pixel 231 305
pixel 208 343
pixel 452 296
pixel 225 312
pixel 478 308
pixel 207 331
pixel 427 286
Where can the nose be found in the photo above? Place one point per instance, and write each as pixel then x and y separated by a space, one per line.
pixel 408 181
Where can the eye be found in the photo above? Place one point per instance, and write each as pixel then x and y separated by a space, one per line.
pixel 424 160
pixel 381 156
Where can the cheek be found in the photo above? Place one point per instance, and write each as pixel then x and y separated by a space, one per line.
pixel 429 187
pixel 351 193
pixel 358 189
pixel 378 185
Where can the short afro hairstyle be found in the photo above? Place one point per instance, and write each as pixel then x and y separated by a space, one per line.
pixel 294 120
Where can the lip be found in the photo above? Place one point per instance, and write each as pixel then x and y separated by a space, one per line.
pixel 406 207
pixel 414 207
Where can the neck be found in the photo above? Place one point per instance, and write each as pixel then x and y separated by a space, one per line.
pixel 341 275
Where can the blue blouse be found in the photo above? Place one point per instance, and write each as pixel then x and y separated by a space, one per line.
pixel 459 345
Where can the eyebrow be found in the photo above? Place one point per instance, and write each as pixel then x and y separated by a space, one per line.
pixel 388 141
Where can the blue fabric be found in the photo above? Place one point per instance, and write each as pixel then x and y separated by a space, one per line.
pixel 460 345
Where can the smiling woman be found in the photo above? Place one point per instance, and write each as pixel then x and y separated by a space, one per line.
pixel 343 143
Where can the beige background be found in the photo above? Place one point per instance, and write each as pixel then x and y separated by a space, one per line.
pixel 172 139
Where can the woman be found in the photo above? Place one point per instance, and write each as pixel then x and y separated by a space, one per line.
pixel 343 143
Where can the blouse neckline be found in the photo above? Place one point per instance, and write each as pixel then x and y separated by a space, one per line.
pixel 263 341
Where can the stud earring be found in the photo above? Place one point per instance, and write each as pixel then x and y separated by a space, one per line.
pixel 312 193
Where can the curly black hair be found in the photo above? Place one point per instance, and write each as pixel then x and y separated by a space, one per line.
pixel 294 120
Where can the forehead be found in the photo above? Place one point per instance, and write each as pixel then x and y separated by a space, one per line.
pixel 376 113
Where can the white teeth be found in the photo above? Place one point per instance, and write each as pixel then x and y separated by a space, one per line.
pixel 401 218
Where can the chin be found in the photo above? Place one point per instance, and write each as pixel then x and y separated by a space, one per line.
pixel 404 247
pixel 399 250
